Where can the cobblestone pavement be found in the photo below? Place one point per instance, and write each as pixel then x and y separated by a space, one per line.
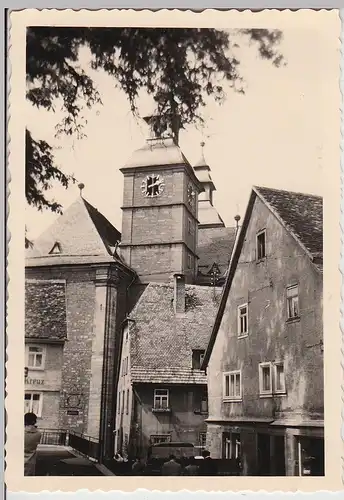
pixel 61 461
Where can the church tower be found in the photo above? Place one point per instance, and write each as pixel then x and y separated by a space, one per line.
pixel 160 210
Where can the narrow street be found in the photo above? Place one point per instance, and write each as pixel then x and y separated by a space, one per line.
pixel 61 461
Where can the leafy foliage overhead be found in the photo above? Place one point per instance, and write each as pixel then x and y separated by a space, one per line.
pixel 179 68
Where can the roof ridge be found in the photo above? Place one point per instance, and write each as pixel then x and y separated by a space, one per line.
pixel 310 195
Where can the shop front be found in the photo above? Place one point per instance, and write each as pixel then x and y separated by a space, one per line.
pixel 270 449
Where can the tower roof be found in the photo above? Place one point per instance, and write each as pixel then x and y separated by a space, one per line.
pixel 202 171
pixel 162 153
pixel 208 216
pixel 80 235
pixel 157 152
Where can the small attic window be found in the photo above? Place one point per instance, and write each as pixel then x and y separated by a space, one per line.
pixel 197 358
pixel 56 249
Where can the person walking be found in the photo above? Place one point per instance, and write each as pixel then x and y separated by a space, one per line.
pixel 171 468
pixel 32 437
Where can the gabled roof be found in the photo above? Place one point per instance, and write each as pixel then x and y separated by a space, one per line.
pixel 45 310
pixel 161 342
pixel 81 235
pixel 215 245
pixel 302 216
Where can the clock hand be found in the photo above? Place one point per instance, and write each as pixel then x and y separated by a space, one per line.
pixel 155 184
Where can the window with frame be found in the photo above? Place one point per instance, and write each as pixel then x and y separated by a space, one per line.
pixel 271 379
pixel 160 438
pixel 119 402
pixel 36 357
pixel 232 386
pixel 231 446
pixel 123 401
pixel 197 358
pixel 293 310
pixel 161 399
pixel 202 439
pixel 243 320
pixel 265 379
pixel 127 406
pixel 279 379
pixel 261 244
pixel 33 402
pixel 204 402
pixel 189 261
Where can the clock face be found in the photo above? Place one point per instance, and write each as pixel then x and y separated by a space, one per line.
pixel 191 195
pixel 153 185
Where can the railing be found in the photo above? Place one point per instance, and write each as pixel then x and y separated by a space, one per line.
pixel 55 437
pixel 86 445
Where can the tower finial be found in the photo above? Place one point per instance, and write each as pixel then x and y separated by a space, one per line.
pixel 237 219
pixel 81 187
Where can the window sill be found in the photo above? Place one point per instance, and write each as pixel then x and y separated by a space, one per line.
pixel 232 400
pixel 35 369
pixel 260 261
pixel 243 336
pixel 161 410
pixel 275 394
pixel 293 320
pixel 200 412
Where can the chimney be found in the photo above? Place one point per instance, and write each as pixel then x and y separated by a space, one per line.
pixel 179 293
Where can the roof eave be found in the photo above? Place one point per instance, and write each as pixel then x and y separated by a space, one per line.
pixel 228 283
pixel 185 164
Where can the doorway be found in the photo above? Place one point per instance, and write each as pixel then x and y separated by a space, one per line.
pixel 279 456
pixel 264 455
pixel 310 460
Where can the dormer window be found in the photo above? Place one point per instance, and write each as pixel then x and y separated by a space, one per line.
pixel 197 358
pixel 56 250
pixel 261 245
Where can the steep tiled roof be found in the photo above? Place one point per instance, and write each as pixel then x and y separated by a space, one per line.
pixel 45 310
pixel 215 245
pixel 301 213
pixel 161 342
pixel 108 233
pixel 167 375
pixel 80 235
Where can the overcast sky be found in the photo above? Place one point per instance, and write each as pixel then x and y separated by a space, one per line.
pixel 276 135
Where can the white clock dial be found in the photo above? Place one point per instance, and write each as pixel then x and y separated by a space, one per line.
pixel 153 185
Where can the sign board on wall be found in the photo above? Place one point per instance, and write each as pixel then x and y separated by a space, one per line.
pixel 34 381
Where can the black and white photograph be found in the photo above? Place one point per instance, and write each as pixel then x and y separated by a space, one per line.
pixel 176 186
